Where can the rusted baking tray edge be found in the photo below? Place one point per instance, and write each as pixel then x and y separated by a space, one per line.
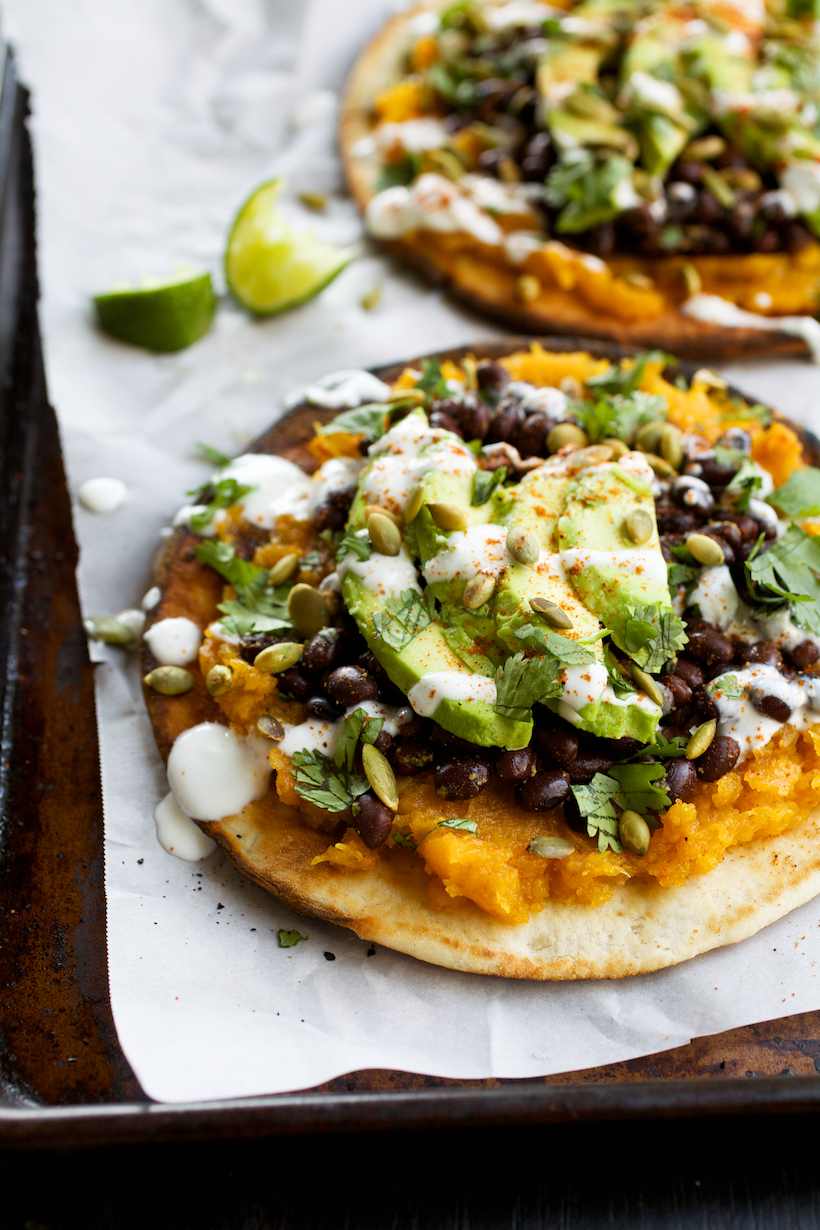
pixel 64 1082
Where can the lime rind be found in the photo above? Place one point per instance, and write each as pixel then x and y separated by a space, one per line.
pixel 159 316
pixel 271 268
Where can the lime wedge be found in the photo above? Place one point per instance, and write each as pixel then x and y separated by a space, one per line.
pixel 268 266
pixel 160 316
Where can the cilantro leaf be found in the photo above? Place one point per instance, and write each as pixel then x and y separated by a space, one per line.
pixel 463 826
pixel 403 617
pixel 323 783
pixel 745 484
pixel 619 415
pixel 585 189
pixel 398 174
pixel 727 685
pixel 289 939
pixel 521 681
pixel 789 571
pixel 596 807
pixel 567 651
pixel 431 380
pixel 241 573
pixel 621 684
pixel 681 574
pixel 258 607
pixel 651 635
pixel 353 542
pixel 225 493
pixel 800 495
pixel 212 455
pixel 637 790
pixel 663 748
pixel 485 483
pixel 623 379
pixel 400 837
pixel 370 420
pixel 358 725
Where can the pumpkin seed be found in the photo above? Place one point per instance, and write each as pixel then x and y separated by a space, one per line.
pixel 169 680
pixel 317 201
pixel 647 438
pixel 616 447
pixel 701 739
pixel 380 775
pixel 448 516
pixel 477 591
pixel 639 280
pixel 470 369
pixel 283 569
pixel 383 512
pixel 691 279
pixel 371 299
pixel 671 445
pixel 705 550
pixel 527 288
pixel 639 526
pixel 109 630
pixel 271 728
pixel 563 434
pixel 634 832
pixel 551 847
pixel 523 545
pixel 219 680
pixel 279 657
pixel 307 609
pixel 551 611
pixel 384 534
pixel 704 149
pixel 593 455
pixel 659 466
pixel 647 684
pixel 413 506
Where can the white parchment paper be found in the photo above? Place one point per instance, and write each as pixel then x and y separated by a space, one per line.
pixel 151 123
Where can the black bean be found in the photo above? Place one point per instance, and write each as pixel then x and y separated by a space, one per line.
pixel 715 474
pixel 796 236
pixel 721 755
pixel 332 514
pixel 804 655
pixel 516 766
pixel 708 644
pixel 252 645
pixel 490 160
pixel 538 157
pixel 348 685
pixel 704 708
pixel 601 239
pixel 761 651
pixel 681 779
pixel 293 683
pixel 742 219
pixel 688 172
pixel 451 747
pixel 544 791
pixel 673 521
pixel 491 376
pixel 771 706
pixel 444 421
pixel 505 423
pixel 373 821
pixel 474 419
pixel 727 531
pixel 411 757
pixel 736 437
pixel 747 526
pixel 708 209
pixel 586 765
pixel 322 651
pixel 681 692
pixel 690 672
pixel 461 779
pixel 558 745
pixel 321 707
pixel 530 438
pixel 767 241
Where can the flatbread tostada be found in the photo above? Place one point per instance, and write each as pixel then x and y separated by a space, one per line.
pixel 644 170
pixel 523 680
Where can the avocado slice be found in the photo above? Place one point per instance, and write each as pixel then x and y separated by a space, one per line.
pixel 562 68
pixel 439 461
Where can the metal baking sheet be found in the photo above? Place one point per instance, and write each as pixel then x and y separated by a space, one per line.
pixel 63 1079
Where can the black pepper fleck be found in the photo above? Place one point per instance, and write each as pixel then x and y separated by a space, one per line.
pixel 329 956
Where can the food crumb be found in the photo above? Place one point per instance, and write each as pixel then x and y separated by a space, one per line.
pixel 329 956
pixel 371 952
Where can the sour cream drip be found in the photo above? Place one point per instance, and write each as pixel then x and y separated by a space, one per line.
pixel 459 686
pixel 342 390
pixel 385 575
pixel 712 309
pixel 532 397
pixel 103 495
pixel 740 720
pixel 316 735
pixel 174 641
pixel 415 136
pixel 648 565
pixel 214 772
pixel 177 833
pixel 479 549
pixel 431 203
pixel 405 453
pixel 278 487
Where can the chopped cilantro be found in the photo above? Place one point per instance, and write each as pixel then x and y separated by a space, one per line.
pixel 208 453
pixel 258 607
pixel 663 748
pixel 370 420
pixel 398 174
pixel 485 483
pixel 625 379
pixel 745 484
pixel 400 837
pixel 358 725
pixel 584 188
pixel 289 939
pixel 455 822
pixel 355 543
pixel 431 380
pixel 226 491
pixel 789 571
pixel 403 617
pixel 619 415
pixel 637 789
pixel 681 574
pixel 620 682
pixel 800 495
pixel 727 685
pixel 521 681
pixel 651 635
pixel 323 783
pixel 567 651
pixel 596 807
